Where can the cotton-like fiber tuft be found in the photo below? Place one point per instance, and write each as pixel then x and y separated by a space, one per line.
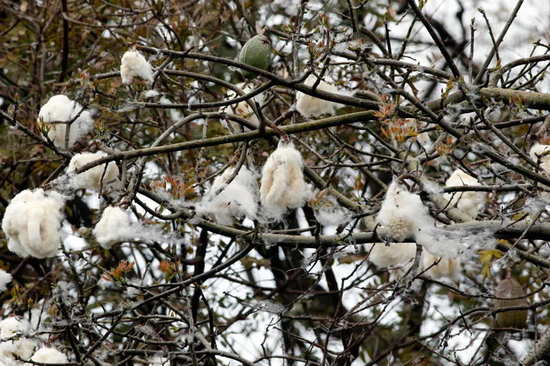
pixel 402 214
pixel 94 178
pixel 11 326
pixel 392 254
pixel 5 278
pixel 114 226
pixel 60 108
pixel 468 202
pixel 49 355
pixel 32 223
pixel 282 185
pixel 238 199
pixel 309 106
pixel 402 255
pixel 327 210
pixel 13 332
pixel 132 65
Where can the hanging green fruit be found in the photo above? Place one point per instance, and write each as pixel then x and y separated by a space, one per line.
pixel 255 52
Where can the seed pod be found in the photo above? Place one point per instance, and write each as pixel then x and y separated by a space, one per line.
pixel 510 288
pixel 255 52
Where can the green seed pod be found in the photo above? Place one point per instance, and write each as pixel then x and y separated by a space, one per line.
pixel 510 288
pixel 255 52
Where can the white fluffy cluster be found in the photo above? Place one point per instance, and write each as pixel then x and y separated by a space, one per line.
pixel 392 254
pixel 49 355
pixel 541 153
pixel 309 106
pixel 242 109
pixel 282 185
pixel 332 216
pixel 5 278
pixel 14 341
pixel 328 212
pixel 402 255
pixel 402 214
pixel 94 178
pixel 468 202
pixel 60 108
pixel 133 64
pixel 32 223
pixel 449 242
pixel 237 199
pixel 114 226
